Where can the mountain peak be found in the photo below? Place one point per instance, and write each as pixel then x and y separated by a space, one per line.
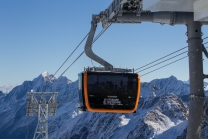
pixel 47 77
pixel 45 74
pixel 173 77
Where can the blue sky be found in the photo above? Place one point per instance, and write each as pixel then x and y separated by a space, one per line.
pixel 37 36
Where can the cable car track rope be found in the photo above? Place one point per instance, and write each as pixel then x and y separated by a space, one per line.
pixel 162 61
pixel 165 56
pixel 71 54
pixel 164 66
pixel 161 58
pixel 140 75
pixel 96 38
pixel 168 63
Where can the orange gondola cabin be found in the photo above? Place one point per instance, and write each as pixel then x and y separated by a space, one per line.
pixel 109 91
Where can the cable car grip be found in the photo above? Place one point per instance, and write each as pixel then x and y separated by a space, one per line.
pixel 88 46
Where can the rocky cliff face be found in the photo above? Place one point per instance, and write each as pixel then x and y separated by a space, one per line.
pixel 162 113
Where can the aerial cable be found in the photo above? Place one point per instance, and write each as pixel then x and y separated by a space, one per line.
pixel 147 64
pixel 97 37
pixel 72 64
pixel 164 66
pixel 162 61
pixel 160 58
pixel 71 54
pixel 66 69
pixel 166 56
pixel 205 38
pixel 169 63
pixel 205 43
pixel 101 33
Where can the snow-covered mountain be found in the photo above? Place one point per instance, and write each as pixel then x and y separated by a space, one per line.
pixel 162 112
pixel 1 94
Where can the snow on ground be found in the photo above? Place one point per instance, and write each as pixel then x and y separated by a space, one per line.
pixel 173 132
pixel 124 120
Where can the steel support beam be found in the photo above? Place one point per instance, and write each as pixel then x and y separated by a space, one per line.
pixel 196 79
pixel 88 46
pixel 172 18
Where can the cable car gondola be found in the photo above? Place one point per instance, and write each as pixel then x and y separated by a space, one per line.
pixel 107 89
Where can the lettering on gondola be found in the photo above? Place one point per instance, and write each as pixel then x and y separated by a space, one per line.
pixel 112 101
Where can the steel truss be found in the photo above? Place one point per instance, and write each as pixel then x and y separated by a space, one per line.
pixel 44 105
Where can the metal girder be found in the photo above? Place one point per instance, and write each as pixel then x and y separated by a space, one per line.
pixel 41 131
pixel 88 45
pixel 42 104
pixel 171 18
pixel 134 8
pixel 198 7
pixel 118 7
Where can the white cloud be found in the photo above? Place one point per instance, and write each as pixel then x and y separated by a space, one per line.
pixel 7 88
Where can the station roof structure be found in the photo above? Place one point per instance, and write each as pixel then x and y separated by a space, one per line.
pixel 199 7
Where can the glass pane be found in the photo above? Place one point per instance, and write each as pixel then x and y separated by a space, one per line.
pixel 112 90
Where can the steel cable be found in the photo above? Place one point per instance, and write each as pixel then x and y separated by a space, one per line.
pixel 71 54
pixel 97 37
pixel 169 63
pixel 162 61
pixel 161 58
pixel 164 66
pixel 166 56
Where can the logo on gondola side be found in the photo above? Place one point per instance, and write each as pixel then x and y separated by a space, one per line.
pixel 112 101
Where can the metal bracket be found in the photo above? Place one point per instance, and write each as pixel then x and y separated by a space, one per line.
pixel 44 105
pixel 88 45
